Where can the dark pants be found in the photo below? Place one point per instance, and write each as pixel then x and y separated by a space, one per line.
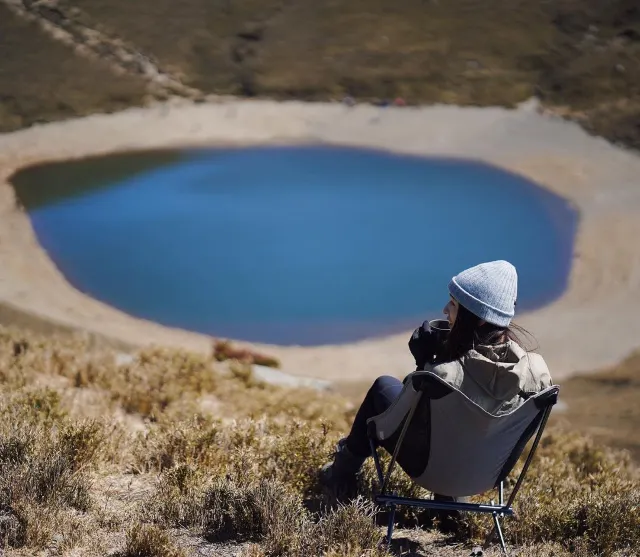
pixel 382 393
pixel 380 396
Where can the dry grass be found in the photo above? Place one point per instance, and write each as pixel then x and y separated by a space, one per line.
pixel 581 57
pixel 578 491
pixel 147 540
pixel 44 480
pixel 42 80
pixel 99 455
pixel 265 511
pixel 605 405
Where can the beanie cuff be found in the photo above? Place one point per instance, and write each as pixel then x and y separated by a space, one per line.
pixel 480 309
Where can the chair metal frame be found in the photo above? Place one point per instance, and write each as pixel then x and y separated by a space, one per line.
pixel 499 511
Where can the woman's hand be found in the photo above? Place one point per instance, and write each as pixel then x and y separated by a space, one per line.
pixel 424 346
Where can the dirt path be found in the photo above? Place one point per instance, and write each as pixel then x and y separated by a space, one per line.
pixel 65 24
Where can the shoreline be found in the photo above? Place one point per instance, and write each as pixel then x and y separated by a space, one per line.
pixel 594 321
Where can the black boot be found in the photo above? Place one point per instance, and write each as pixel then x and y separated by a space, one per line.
pixel 449 519
pixel 339 479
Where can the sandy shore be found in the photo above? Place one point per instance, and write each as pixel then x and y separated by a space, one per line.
pixel 595 323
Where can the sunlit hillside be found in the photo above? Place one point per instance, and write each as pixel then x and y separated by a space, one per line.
pixel 581 58
pixel 167 453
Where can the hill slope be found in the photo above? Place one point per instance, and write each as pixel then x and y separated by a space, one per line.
pixel 43 80
pixel 167 454
pixel 605 404
pixel 581 57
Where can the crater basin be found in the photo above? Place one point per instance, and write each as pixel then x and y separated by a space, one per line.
pixel 303 245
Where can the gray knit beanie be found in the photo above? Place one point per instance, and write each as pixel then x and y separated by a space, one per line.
pixel 488 290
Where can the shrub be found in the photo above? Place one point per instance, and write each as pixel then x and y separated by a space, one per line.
pixel 289 451
pixel 41 480
pixel 179 498
pixel 268 512
pixel 224 350
pixel 147 540
pixel 265 510
pixel 576 490
pixel 40 405
pixel 348 529
pixel 41 474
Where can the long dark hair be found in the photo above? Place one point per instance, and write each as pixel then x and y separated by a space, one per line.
pixel 469 331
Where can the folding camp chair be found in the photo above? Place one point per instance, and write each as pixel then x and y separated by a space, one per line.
pixel 451 446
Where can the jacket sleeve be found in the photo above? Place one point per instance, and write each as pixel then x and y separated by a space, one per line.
pixel 540 374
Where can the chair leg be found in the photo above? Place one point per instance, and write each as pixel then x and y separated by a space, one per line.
pixel 498 529
pixel 392 518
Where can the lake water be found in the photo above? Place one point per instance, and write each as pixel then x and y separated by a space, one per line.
pixel 291 245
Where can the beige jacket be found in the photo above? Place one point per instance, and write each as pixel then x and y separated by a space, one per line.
pixel 495 377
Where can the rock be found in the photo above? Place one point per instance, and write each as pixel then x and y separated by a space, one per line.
pixel 530 105
pixel 55 547
pixel 281 379
pixel 123 359
pixel 561 406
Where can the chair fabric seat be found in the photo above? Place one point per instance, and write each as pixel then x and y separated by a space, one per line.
pixel 463 449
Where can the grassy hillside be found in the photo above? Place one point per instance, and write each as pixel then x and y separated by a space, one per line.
pixel 606 405
pixel 43 80
pixel 581 57
pixel 169 454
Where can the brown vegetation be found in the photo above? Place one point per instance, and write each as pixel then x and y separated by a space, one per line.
pixel 224 350
pixel 158 455
pixel 42 80
pixel 606 405
pixel 580 57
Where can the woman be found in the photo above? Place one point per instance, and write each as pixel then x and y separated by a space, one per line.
pixel 482 357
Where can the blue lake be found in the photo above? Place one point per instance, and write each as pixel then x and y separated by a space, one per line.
pixel 291 245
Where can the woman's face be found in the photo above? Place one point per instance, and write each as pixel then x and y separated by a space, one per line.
pixel 451 311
